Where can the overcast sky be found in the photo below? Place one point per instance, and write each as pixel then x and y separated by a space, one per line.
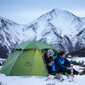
pixel 25 11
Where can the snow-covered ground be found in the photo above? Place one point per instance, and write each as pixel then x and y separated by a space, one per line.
pixel 78 59
pixel 34 80
pixel 78 68
pixel 38 80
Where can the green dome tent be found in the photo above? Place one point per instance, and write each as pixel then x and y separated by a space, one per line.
pixel 27 60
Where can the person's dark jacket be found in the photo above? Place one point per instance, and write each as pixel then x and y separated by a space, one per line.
pixel 47 61
pixel 59 62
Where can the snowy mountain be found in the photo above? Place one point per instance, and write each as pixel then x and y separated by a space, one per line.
pixel 11 34
pixel 8 32
pixel 60 28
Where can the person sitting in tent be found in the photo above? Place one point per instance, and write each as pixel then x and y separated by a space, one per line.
pixel 63 65
pixel 48 56
pixel 51 65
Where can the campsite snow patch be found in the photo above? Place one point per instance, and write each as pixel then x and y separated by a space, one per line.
pixel 78 59
pixel 35 80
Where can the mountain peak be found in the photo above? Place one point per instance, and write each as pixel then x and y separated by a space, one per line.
pixel 65 22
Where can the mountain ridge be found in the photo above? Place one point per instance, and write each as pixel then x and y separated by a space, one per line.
pixel 59 28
